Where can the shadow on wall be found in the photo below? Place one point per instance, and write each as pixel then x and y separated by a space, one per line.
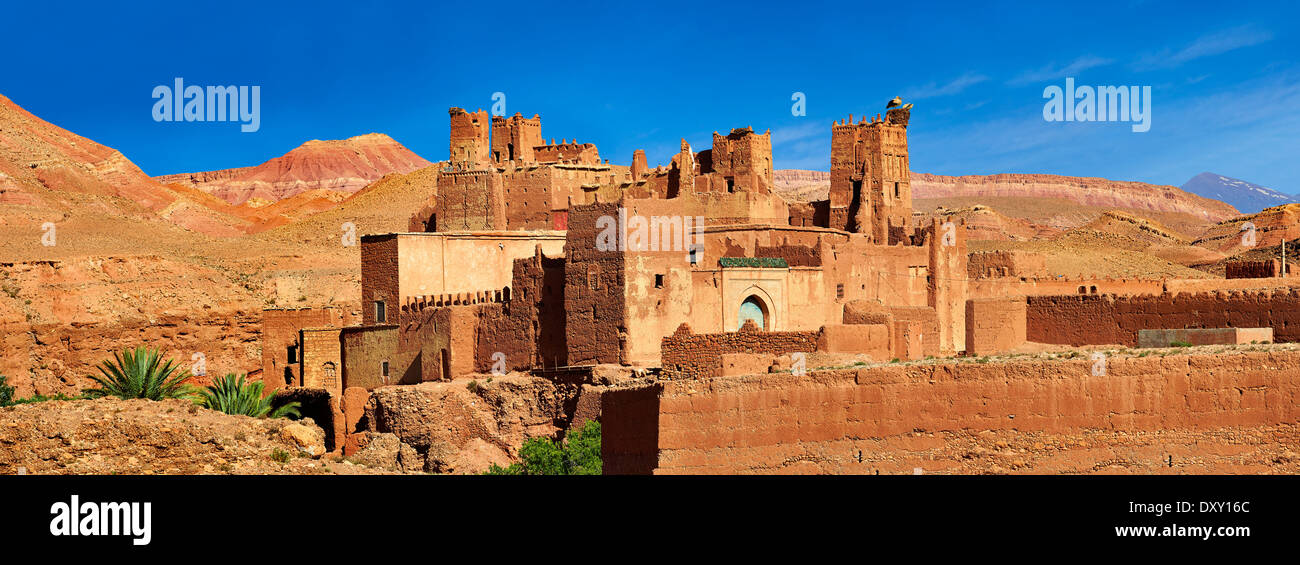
pixel 630 442
pixel 315 405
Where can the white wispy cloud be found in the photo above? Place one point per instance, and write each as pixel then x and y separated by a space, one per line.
pixel 1053 72
pixel 1205 46
pixel 803 146
pixel 935 90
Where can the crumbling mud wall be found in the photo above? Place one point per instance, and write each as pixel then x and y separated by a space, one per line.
pixel 1106 319
pixel 688 355
pixel 994 325
pixel 778 423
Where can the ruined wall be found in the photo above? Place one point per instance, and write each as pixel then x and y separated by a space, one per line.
pixel 322 359
pixel 280 333
pixel 574 152
pixel 471 200
pixel 1105 319
pixel 992 264
pixel 994 325
pixel 367 348
pixel 594 307
pixel 947 280
pixel 470 139
pixel 689 355
pixel 743 158
pixel 778 423
pixel 1267 268
pixel 379 277
pixel 514 138
pixel 870 188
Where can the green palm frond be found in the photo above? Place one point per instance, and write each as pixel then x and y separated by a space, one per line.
pixel 230 394
pixel 141 373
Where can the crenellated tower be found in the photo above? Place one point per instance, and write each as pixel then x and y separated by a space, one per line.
pixel 871 190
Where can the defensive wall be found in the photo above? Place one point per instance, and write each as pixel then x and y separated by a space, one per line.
pixel 780 423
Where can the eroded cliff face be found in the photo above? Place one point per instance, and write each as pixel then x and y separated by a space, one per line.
pixel 459 427
pixel 60 318
pixel 346 166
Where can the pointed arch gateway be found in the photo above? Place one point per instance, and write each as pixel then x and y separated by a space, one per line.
pixel 754 308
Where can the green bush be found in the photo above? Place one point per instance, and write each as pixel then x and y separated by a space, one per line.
pixel 141 373
pixel 7 395
pixel 230 394
pixel 1179 344
pixel 578 455
pixel 6 392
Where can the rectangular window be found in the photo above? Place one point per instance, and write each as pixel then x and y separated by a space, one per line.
pixel 381 312
pixel 897 194
pixel 659 281
pixel 839 292
pixel 383 369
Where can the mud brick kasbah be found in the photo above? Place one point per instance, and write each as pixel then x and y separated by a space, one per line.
pixel 724 310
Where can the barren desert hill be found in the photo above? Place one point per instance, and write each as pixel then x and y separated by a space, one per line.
pixel 1051 201
pixel 985 223
pixel 346 166
pixel 49 173
pixel 384 206
pixel 1265 228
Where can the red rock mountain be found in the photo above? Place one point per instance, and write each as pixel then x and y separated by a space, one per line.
pixel 344 165
pixel 53 173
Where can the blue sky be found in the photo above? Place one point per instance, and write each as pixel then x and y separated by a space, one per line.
pixel 1225 78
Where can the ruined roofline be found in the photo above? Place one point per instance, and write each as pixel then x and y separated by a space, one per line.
pixel 721 228
pixel 470 234
pixel 532 165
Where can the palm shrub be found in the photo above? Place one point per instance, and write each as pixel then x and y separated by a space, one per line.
pixel 141 373
pixel 230 394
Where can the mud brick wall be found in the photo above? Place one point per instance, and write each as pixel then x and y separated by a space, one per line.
pixel 366 347
pixel 379 276
pixel 1267 268
pixel 322 359
pixel 994 325
pixel 694 356
pixel 1106 319
pixel 991 264
pixel 280 329
pixel 929 323
pixel 595 306
pixel 777 423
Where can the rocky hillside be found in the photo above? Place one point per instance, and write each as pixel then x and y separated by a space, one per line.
pixel 452 427
pixel 169 437
pixel 345 166
pixel 1271 226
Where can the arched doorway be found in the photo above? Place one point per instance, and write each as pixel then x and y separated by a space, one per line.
pixel 754 309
